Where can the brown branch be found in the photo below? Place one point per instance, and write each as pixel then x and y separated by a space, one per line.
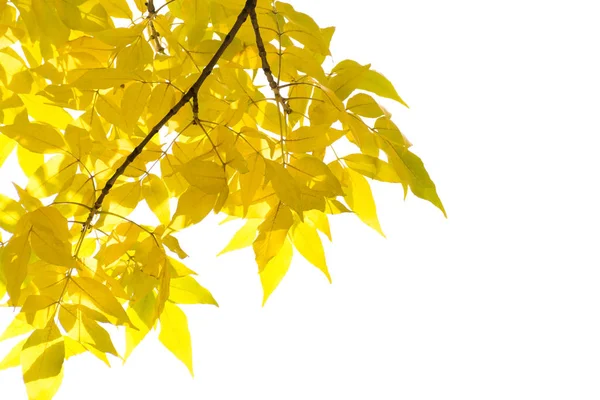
pixel 265 64
pixel 192 92
pixel 154 35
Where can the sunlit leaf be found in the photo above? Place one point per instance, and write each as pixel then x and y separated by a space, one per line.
pixel 275 270
pixel 175 335
pixel 186 290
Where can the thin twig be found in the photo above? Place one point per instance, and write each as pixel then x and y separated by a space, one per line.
pixel 265 64
pixel 250 5
pixel 154 35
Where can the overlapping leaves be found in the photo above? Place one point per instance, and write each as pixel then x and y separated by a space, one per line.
pixel 80 91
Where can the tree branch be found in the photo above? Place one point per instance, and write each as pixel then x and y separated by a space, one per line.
pixel 265 64
pixel 192 92
pixel 154 35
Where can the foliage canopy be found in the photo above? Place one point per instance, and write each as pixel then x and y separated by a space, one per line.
pixel 192 107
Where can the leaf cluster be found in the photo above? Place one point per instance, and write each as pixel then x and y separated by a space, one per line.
pixel 191 107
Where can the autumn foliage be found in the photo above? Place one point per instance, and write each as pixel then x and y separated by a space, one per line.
pixel 193 107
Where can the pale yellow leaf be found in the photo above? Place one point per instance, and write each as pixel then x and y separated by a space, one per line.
pixel 175 335
pixel 42 361
pixel 192 207
pixel 360 199
pixel 13 358
pixel 308 243
pixel 272 234
pixel 35 137
pixel 364 105
pixel 275 270
pixel 244 237
pixel 41 110
pixel 10 213
pixel 156 195
pixel 186 290
pixel 29 161
pixel 102 298
pixel 372 167
pixel 312 173
pixel 15 258
pixel 207 176
pixel 285 185
pixel 251 181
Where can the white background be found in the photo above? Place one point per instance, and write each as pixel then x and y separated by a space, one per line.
pixel 499 301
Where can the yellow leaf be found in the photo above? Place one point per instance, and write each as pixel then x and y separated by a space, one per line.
pixel 79 141
pixel 319 220
pixel 360 134
pixel 142 315
pixel 160 102
pixel 42 111
pixel 309 138
pixel 108 107
pixel 10 213
pixel 307 241
pixel 311 172
pixel 18 326
pixel 38 310
pixel 13 358
pixel 133 103
pixel 175 335
pixel 124 198
pixel 117 8
pixel 304 61
pixel 29 161
pixel 244 237
pixel 251 181
pixel 193 206
pixel 156 195
pixel 104 78
pixel 78 189
pixel 364 105
pixel 348 75
pixel 28 201
pixel 372 167
pixel 285 185
pixel 272 234
pixel 2 281
pixel 35 137
pixel 93 20
pixel 51 176
pixel 411 169
pixel 15 258
pixel 374 82
pixel 275 270
pixel 73 348
pixel 42 361
pixel 92 333
pixel 360 199
pixel 267 116
pixel 6 147
pixel 102 298
pixel 173 244
pixel 178 269
pixel 50 236
pixel 207 176
pixel 186 290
